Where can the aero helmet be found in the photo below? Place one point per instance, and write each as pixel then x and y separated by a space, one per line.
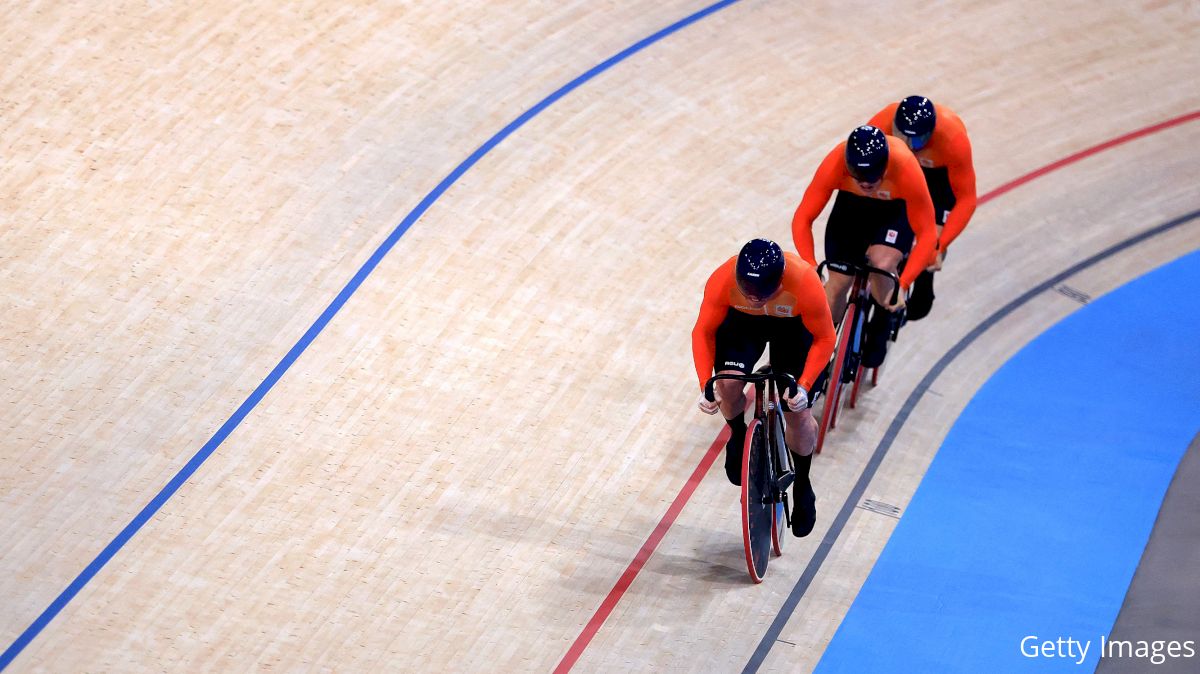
pixel 866 154
pixel 915 118
pixel 759 269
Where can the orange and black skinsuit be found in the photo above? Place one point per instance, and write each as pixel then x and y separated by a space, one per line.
pixel 800 302
pixel 730 334
pixel 902 180
pixel 948 168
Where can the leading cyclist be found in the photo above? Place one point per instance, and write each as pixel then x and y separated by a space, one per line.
pixel 763 295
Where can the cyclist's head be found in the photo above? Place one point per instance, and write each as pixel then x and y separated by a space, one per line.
pixel 759 269
pixel 914 122
pixel 866 154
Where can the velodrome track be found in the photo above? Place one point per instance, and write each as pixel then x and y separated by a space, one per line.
pixel 451 467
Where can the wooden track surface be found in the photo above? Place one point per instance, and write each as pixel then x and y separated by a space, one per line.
pixel 456 471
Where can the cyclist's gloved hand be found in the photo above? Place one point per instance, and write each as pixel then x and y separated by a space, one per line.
pixel 799 401
pixel 937 261
pixel 900 303
pixel 709 407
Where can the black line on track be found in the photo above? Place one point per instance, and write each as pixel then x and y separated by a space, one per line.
pixel 889 436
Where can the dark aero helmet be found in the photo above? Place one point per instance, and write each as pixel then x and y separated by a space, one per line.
pixel 759 269
pixel 866 154
pixel 915 118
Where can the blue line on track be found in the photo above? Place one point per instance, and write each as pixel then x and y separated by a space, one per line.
pixel 294 353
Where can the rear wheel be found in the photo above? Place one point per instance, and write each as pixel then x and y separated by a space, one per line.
pixel 779 523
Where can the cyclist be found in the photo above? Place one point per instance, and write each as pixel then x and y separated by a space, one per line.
pixel 764 295
pixel 882 203
pixel 938 138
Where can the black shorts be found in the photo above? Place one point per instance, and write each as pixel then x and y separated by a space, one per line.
pixel 857 223
pixel 938 180
pixel 742 337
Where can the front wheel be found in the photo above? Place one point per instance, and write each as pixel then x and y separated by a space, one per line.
pixel 833 391
pixel 757 511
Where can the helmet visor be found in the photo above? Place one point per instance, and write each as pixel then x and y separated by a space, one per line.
pixel 758 288
pixel 866 173
pixel 918 142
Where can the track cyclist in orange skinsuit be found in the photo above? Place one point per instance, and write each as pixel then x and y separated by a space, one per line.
pixel 938 138
pixel 882 203
pixel 764 295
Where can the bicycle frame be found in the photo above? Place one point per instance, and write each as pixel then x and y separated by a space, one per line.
pixel 767 410
pixel 849 336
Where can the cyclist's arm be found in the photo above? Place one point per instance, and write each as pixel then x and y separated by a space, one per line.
pixel 962 183
pixel 704 334
pixel 814 311
pixel 828 174
pixel 919 207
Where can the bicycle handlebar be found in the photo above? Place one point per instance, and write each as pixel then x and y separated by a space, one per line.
pixel 782 379
pixel 849 268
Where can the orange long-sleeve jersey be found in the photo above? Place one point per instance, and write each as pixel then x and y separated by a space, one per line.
pixel 901 180
pixel 948 147
pixel 801 295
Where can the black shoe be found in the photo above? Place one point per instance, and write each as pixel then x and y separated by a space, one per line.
pixel 804 516
pixel 733 459
pixel 920 300
pixel 878 333
pixel 874 352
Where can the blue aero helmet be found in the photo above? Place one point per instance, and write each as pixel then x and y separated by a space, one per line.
pixel 866 154
pixel 759 269
pixel 914 121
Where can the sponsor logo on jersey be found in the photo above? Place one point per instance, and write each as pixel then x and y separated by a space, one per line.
pixel 927 163
pixel 783 310
pixel 751 310
pixel 891 236
pixel 884 194
pixel 735 364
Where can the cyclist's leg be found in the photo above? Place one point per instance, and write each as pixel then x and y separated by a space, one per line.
pixel 836 287
pixel 790 342
pixel 801 436
pixel 889 245
pixel 800 428
pixel 845 242
pixel 888 258
pixel 741 340
pixel 920 301
pixel 890 240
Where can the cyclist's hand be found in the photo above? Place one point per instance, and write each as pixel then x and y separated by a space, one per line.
pixel 799 401
pixel 937 261
pixel 709 407
pixel 900 303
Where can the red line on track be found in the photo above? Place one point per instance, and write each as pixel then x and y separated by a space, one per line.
pixel 689 487
pixel 639 560
pixel 1082 154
